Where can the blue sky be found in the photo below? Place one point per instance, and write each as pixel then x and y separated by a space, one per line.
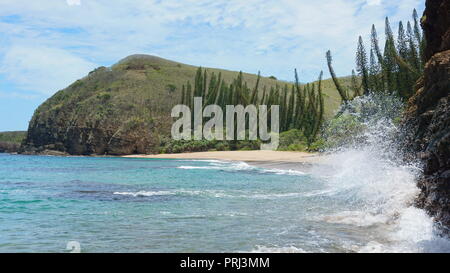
pixel 47 44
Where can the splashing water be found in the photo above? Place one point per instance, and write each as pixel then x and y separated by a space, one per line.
pixel 376 186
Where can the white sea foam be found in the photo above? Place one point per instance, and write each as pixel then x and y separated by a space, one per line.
pixel 212 193
pixel 283 172
pixel 203 160
pixel 167 192
pixel 273 195
pixel 221 165
pixel 356 218
pixel 192 167
pixel 286 249
pixel 145 193
pixel 326 192
pixel 238 166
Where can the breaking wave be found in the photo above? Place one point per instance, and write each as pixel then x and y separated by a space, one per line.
pixel 212 194
pixel 145 193
pixel 237 166
pixel 221 165
pixel 373 187
pixel 286 249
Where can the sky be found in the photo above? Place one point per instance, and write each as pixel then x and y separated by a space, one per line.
pixel 47 44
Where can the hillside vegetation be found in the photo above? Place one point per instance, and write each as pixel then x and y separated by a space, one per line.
pixel 13 136
pixel 125 109
pixel 10 141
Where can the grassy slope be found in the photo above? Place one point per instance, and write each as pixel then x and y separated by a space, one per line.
pixel 178 74
pixel 143 80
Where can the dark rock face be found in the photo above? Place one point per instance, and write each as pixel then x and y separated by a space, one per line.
pixel 428 115
pixel 435 24
pixel 44 139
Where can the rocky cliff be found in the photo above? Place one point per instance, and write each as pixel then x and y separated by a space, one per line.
pixel 428 114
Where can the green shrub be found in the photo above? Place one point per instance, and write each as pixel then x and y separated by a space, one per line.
pixel 247 145
pixel 349 126
pixel 317 146
pixel 342 130
pixel 292 140
pixel 171 88
pixel 222 146
pixel 180 146
pixel 297 147
pixel 103 96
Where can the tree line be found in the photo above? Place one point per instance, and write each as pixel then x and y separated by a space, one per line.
pixel 301 107
pixel 393 70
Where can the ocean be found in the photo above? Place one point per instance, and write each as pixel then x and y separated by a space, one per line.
pixel 112 204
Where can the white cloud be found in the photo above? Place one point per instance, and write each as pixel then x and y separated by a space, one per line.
pixel 273 36
pixel 73 2
pixel 41 69
pixel 374 2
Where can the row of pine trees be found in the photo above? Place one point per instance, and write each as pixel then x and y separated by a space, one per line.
pixel 301 107
pixel 394 70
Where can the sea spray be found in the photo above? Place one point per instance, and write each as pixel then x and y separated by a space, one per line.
pixel 377 187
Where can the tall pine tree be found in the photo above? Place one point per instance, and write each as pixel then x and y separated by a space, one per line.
pixel 362 66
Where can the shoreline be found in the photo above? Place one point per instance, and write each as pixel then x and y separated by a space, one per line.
pixel 247 156
pixel 284 160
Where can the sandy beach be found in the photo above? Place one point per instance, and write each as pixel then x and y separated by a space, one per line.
pixel 248 156
pixel 264 159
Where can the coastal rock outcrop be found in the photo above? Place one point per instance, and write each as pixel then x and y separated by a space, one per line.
pixel 9 147
pixel 427 118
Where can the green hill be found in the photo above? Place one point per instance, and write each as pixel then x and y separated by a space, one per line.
pixel 13 136
pixel 125 109
pixel 10 141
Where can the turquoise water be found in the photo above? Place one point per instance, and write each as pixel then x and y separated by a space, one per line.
pixel 149 205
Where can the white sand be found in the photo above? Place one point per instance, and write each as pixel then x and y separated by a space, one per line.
pixel 248 156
